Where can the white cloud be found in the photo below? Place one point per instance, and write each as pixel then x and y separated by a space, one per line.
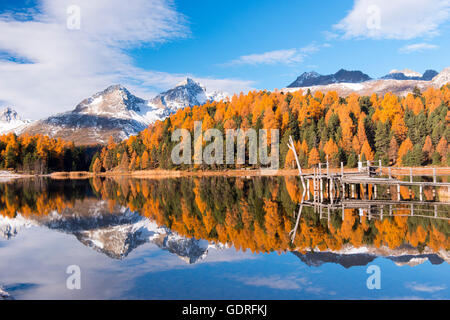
pixel 65 66
pixel 288 56
pixel 278 57
pixel 417 47
pixel 399 19
pixel 425 287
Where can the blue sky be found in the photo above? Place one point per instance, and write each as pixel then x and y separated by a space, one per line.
pixel 233 46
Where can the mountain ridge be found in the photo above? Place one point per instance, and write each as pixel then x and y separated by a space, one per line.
pixel 116 112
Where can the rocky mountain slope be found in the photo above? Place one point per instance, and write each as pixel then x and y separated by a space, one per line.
pixel 407 74
pixel 10 121
pixel 379 86
pixel 118 113
pixel 350 257
pixel 186 93
pixel 313 78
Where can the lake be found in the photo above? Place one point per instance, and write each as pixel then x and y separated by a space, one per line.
pixel 219 238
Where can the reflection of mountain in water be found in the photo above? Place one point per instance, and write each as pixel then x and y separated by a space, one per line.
pixel 351 257
pixel 114 232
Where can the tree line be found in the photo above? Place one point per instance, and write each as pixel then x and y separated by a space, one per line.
pixel 406 131
pixel 40 154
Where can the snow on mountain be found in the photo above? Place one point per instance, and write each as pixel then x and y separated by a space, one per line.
pixel 112 112
pixel 407 74
pixel 118 113
pixel 442 78
pixel 349 256
pixel 186 93
pixel 10 227
pixel 114 233
pixel 313 78
pixel 4 295
pixel 399 86
pixel 10 121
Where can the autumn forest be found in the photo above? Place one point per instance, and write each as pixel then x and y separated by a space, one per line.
pixel 404 131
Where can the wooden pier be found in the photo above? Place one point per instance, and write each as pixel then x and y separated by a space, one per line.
pixel 340 190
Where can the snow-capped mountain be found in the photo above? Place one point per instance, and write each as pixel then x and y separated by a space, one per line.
pixel 381 86
pixel 349 256
pixel 313 78
pixel 114 234
pixel 112 112
pixel 407 74
pixel 186 93
pixel 442 78
pixel 10 121
pixel 118 113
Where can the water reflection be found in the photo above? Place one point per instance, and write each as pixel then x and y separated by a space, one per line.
pixel 191 217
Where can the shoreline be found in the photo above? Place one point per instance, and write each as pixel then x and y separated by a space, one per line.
pixel 162 174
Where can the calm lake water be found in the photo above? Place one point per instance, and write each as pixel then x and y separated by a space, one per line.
pixel 219 238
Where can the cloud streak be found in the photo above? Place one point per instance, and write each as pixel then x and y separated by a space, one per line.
pixel 417 47
pixel 425 287
pixel 277 57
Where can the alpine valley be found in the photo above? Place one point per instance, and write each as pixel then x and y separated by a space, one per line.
pixel 116 112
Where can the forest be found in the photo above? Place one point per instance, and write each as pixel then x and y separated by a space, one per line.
pixel 40 154
pixel 403 131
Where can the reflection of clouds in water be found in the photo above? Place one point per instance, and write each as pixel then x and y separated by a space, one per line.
pixel 422 287
pixel 39 257
pixel 283 282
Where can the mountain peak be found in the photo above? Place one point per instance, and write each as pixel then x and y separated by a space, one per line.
pixel 308 79
pixel 187 93
pixel 407 72
pixel 442 78
pixel 188 82
pixel 115 87
pixel 10 121
pixel 113 100
pixel 8 114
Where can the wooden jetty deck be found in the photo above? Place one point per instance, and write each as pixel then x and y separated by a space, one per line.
pixel 340 190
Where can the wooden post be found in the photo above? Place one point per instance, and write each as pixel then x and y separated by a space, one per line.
pixel 389 172
pixel 328 168
pixel 434 175
pixel 321 189
pixel 291 146
pixel 307 187
pixel 398 192
pixel 331 190
pixel 328 216
pixel 342 170
pixel 421 193
pixel 410 175
pixel 381 167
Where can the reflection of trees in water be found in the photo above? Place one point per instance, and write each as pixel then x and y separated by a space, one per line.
pixel 254 214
